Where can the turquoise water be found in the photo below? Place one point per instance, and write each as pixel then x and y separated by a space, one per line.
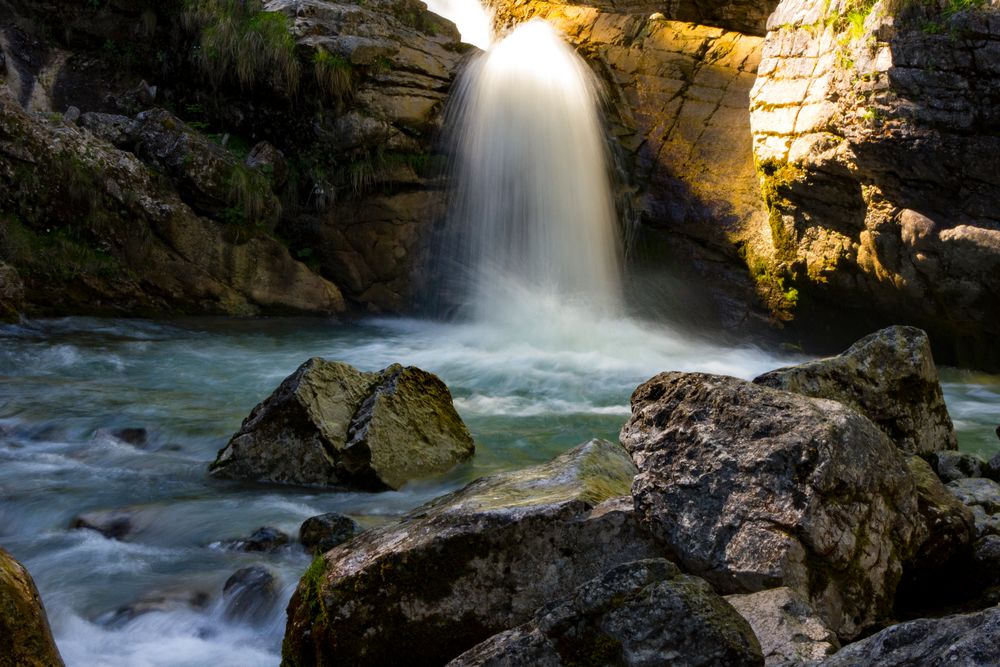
pixel 527 392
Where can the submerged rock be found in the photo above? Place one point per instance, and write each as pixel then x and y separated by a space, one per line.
pixel 113 524
pixel 969 640
pixel 640 613
pixel 754 488
pixel 889 377
pixel 159 602
pixel 331 424
pixel 788 628
pixel 468 565
pixel 325 531
pixel 250 594
pixel 25 637
pixel 265 538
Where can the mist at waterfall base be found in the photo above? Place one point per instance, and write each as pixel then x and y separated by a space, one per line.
pixel 536 367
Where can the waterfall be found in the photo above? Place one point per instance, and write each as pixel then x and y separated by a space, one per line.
pixel 532 215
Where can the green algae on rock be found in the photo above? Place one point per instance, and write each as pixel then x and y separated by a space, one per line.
pixel 331 424
pixel 468 565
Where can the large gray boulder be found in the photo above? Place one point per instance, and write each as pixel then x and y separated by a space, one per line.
pixel 754 488
pixel 469 565
pixel 25 637
pixel 643 613
pixel 789 631
pixel 969 640
pixel 331 424
pixel 889 377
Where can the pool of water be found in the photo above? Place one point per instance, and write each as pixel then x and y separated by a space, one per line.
pixel 527 392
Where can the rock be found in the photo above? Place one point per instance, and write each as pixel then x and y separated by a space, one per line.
pixel 969 640
pixel 71 116
pixel 117 130
pixel 331 424
pixel 754 488
pixel 25 637
pixel 113 524
pixel 209 179
pixel 986 561
pixel 11 292
pixel 950 466
pixel 267 159
pixel 468 565
pixel 160 602
pixel 136 435
pixel 325 531
pixel 877 162
pixel 262 539
pixel 982 496
pixel 993 467
pixel 250 594
pixel 789 631
pixel 942 544
pixel 639 613
pixel 889 377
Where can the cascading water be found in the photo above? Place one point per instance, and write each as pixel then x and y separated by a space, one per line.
pixel 532 213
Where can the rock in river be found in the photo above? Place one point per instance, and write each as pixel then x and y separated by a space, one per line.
pixel 641 613
pixel 469 565
pixel 889 377
pixel 331 424
pixel 25 637
pixel 325 531
pixel 755 488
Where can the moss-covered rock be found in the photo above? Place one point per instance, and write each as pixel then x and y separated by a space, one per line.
pixel 331 424
pixel 754 488
pixel 624 617
pixel 25 637
pixel 469 565
pixel 889 377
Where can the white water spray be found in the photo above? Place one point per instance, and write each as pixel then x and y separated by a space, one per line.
pixel 533 213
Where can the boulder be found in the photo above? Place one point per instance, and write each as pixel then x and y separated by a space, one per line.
pixel 754 488
pixel 950 466
pixel 331 424
pixel 25 637
pixel 889 377
pixel 640 613
pixel 468 565
pixel 789 631
pixel 325 531
pixel 993 466
pixel 982 496
pixel 969 640
pixel 250 594
pixel 263 539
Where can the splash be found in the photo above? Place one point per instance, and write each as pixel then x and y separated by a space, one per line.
pixel 473 21
pixel 532 214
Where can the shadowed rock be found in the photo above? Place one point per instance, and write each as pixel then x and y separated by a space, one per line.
pixel 325 531
pixel 641 613
pixel 250 594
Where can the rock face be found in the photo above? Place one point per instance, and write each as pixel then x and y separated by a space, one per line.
pixel 789 631
pixel 888 377
pixel 755 488
pixel 639 613
pixel 969 640
pixel 331 424
pixel 469 565
pixel 25 637
pixel 875 128
pixel 11 292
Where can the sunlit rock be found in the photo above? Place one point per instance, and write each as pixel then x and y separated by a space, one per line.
pixel 25 637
